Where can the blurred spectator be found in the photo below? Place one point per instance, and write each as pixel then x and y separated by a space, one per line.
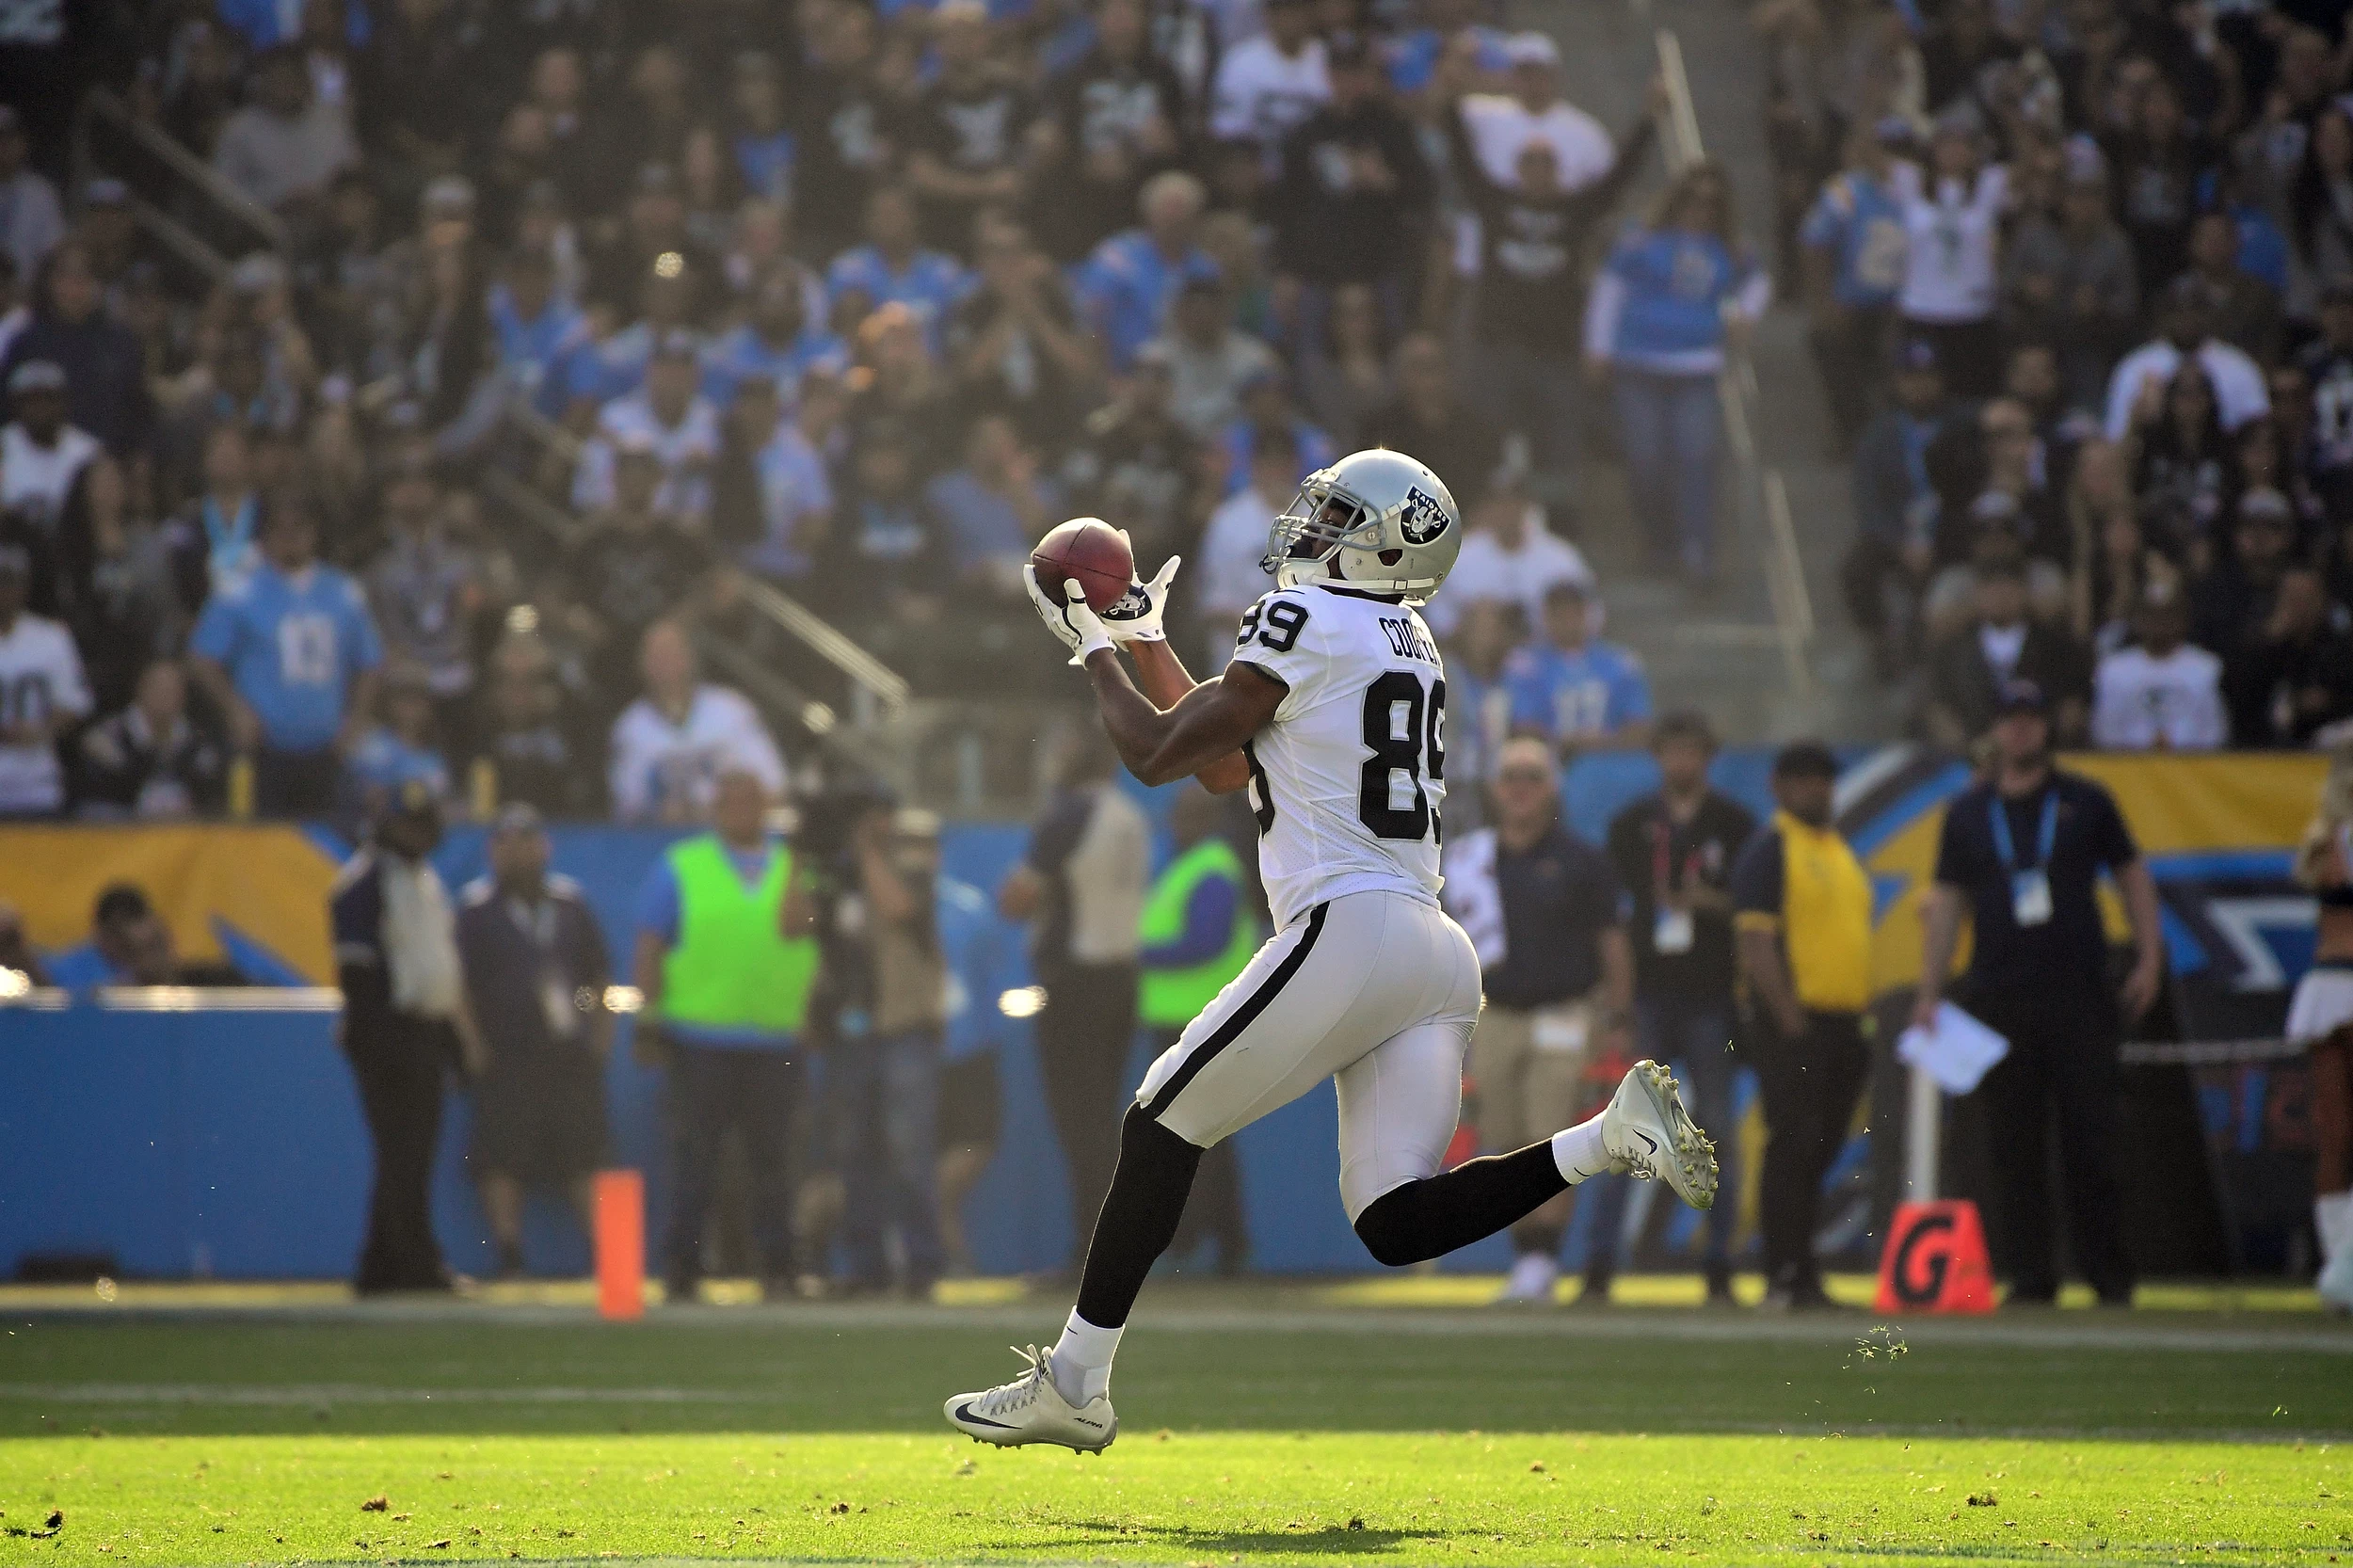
pixel 778 342
pixel 1081 886
pixel 1346 378
pixel 129 944
pixel 536 971
pixel 31 222
pixel 1480 702
pixel 1269 83
pixel 2291 676
pixel 892 268
pixel 971 1099
pixel 107 390
pixel 288 656
pixel 2160 692
pixel 725 960
pixel 1209 359
pixel 634 568
pixel 1531 109
pixel 404 1024
pixel 1969 669
pixel 1433 419
pixel 2186 330
pixel 672 746
pixel 1128 285
pixel 1528 310
pixel 889 544
pixel 1229 575
pixel 772 499
pixel 968 133
pixel 1803 923
pixel 2183 462
pixel 1572 689
pixel 1133 459
pixel 286 143
pixel 1673 852
pixel 1853 247
pixel 2165 161
pixel 1546 915
pixel 992 507
pixel 1267 407
pixel 2326 363
pixel 1952 213
pixel 405 749
pixel 1994 533
pixel 2245 309
pixel 2069 278
pixel 670 418
pixel 425 587
pixel 522 736
pixel 42 695
pixel 1510 555
pixel 1674 294
pixel 2020 853
pixel 1014 341
pixel 1199 931
pixel 2233 602
pixel 1353 187
pixel 150 759
pixel 890 995
pixel 534 328
pixel 116 582
pixel 1118 117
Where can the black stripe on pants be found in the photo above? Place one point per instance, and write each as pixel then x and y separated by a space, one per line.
pixel 1810 1085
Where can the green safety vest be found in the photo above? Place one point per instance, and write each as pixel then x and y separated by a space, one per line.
pixel 730 969
pixel 1170 998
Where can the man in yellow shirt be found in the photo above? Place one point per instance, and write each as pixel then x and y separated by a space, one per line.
pixel 1802 921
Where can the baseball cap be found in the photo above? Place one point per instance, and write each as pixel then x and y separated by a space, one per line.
pixel 2020 696
pixel 1805 760
pixel 36 376
pixel 1531 49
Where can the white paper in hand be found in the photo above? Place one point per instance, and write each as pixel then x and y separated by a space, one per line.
pixel 1957 1053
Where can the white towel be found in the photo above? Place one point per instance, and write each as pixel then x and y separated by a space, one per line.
pixel 420 940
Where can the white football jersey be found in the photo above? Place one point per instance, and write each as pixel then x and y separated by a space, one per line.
pixel 1347 779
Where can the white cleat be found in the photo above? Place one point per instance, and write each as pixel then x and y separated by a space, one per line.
pixel 1647 1129
pixel 1031 1409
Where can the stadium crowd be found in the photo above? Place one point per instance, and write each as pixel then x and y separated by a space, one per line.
pixel 2078 280
pixel 851 300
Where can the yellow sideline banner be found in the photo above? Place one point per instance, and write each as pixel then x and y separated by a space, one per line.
pixel 222 887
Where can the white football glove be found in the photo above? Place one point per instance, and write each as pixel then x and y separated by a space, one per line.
pixel 1074 622
pixel 1135 618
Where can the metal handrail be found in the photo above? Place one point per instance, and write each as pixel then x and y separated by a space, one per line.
pixel 179 239
pixel 103 104
pixel 1761 486
pixel 885 685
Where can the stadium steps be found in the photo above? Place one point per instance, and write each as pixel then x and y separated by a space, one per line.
pixel 1609 54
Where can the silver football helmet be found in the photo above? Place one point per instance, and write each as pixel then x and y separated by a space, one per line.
pixel 1377 521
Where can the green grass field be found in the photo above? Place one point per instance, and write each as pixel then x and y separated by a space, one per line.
pixel 1267 1426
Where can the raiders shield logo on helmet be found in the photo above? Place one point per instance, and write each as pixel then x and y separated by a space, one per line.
pixel 1422 518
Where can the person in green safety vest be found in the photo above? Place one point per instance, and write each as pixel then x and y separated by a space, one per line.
pixel 1199 928
pixel 726 955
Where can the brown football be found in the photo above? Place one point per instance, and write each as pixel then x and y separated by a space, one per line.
pixel 1090 551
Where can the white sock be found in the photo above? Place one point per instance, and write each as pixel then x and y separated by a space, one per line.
pixel 1580 1151
pixel 2332 1217
pixel 1082 1361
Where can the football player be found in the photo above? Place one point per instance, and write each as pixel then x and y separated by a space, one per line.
pixel 1332 716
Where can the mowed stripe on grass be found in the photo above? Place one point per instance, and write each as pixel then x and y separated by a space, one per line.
pixel 1257 1498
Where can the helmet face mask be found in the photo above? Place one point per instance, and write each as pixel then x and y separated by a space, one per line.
pixel 1377 519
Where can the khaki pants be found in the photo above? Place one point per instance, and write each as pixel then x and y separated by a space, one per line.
pixel 1530 1076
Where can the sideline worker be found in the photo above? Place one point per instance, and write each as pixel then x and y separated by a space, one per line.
pixel 1198 932
pixel 727 957
pixel 2022 854
pixel 1803 921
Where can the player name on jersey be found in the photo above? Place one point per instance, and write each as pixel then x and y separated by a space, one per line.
pixel 1410 639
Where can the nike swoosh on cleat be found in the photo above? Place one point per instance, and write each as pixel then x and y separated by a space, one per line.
pixel 1648 1141
pixel 963 1412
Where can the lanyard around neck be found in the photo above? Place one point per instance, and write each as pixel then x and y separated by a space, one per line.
pixel 2047 834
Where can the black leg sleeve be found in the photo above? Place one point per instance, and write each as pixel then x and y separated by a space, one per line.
pixel 1139 1218
pixel 1430 1218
